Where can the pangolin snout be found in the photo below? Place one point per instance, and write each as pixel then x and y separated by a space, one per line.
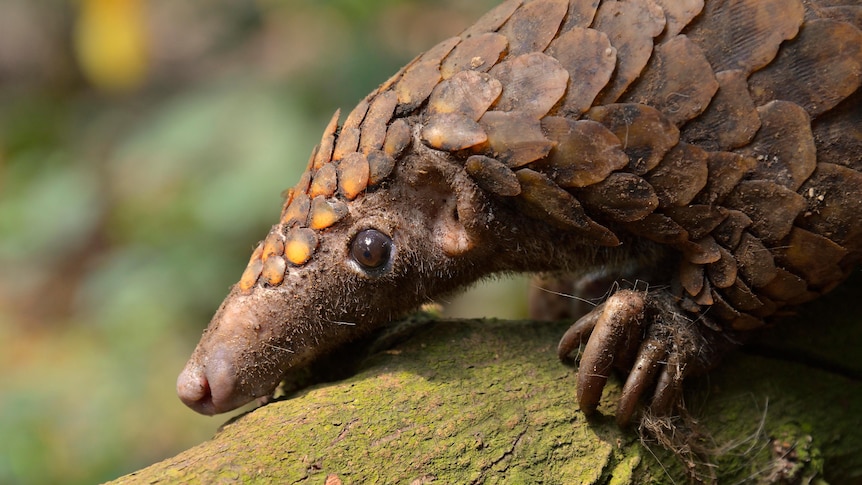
pixel 193 388
pixel 211 382
pixel 210 388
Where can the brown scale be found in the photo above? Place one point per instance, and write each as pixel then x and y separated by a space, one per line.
pixel 833 205
pixel 680 175
pixel 477 53
pixel 398 138
pixel 324 213
pixel 700 251
pixel 547 201
pixel 816 70
pixel 324 182
pixel 532 27
pixel 580 15
pixel 532 83
pixel 583 50
pixel 493 176
pixel 838 133
pixel 699 219
pixel 645 133
pixel 323 154
pixel 621 197
pixel 299 245
pixel 515 138
pixel 421 78
pixel 584 152
pixel 744 34
pixel 678 81
pixel 469 93
pixel 784 146
pixel 491 21
pixel 380 165
pixel 731 119
pixel 678 13
pixel 452 132
pixel 353 173
pixel 726 170
pixel 728 133
pixel 771 207
pixel 297 212
pixel 630 26
pixel 754 261
pixel 729 232
pixel 373 130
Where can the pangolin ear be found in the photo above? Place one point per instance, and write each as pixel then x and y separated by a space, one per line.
pixel 454 208
pixel 451 230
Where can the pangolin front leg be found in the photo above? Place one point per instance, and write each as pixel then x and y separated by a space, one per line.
pixel 648 336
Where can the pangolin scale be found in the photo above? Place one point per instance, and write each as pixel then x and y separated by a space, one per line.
pixel 709 149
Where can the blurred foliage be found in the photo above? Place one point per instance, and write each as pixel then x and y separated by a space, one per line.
pixel 110 42
pixel 143 148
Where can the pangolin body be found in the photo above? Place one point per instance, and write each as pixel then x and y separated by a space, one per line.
pixel 709 148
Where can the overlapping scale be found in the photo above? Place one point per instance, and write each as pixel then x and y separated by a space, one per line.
pixel 645 133
pixel 784 146
pixel 745 34
pixel 678 14
pixel 545 200
pixel 730 121
pixel 678 81
pixel 817 70
pixel 582 50
pixel 580 15
pixel 373 129
pixel 532 27
pixel 478 53
pixel 515 138
pixel 468 92
pixel 631 27
pixel 422 77
pixel 452 132
pixel 532 83
pixel 493 176
pixel 680 176
pixel 584 152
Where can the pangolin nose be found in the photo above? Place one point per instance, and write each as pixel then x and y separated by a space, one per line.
pixel 193 389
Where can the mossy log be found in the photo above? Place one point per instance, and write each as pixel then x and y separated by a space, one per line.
pixel 488 402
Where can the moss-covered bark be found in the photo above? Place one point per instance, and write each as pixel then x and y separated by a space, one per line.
pixel 488 402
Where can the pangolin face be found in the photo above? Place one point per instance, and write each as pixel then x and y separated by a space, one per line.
pixel 341 262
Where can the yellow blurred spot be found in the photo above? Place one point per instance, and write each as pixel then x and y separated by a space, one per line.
pixel 111 43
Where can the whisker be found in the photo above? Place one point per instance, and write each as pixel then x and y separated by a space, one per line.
pixel 566 295
pixel 283 349
pixel 339 322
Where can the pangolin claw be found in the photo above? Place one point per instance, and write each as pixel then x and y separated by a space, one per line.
pixel 641 334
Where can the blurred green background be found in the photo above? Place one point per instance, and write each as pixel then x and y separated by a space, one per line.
pixel 144 145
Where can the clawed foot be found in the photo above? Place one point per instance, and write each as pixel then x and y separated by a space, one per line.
pixel 646 335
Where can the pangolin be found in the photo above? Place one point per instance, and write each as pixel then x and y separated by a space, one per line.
pixel 708 151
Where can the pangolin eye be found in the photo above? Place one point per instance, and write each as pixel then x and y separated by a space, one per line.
pixel 371 249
